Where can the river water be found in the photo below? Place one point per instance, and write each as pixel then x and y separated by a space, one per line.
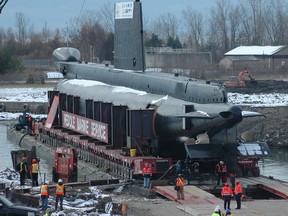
pixel 276 165
pixel 8 145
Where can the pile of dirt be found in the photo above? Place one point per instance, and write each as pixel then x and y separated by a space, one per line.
pixel 262 86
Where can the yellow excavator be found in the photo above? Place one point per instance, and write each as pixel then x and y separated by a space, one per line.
pixel 239 80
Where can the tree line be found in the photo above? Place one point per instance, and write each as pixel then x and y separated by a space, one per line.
pixel 226 25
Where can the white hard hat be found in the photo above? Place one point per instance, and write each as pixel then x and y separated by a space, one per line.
pixel 217 209
pixel 221 162
pixel 60 181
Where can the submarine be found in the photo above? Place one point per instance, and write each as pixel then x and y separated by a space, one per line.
pixel 188 118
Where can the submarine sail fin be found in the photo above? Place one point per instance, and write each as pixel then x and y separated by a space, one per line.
pixel 128 39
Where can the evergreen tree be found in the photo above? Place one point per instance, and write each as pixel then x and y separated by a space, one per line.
pixel 8 62
pixel 154 41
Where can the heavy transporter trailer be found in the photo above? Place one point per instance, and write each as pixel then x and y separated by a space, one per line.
pixel 121 163
pixel 108 136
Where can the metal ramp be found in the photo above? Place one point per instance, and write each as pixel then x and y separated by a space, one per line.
pixel 192 194
pixel 274 186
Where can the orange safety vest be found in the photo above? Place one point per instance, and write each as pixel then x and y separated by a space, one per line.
pixel 226 191
pixel 35 168
pixel 59 189
pixel 219 170
pixel 238 189
pixel 180 182
pixel 147 170
pixel 44 190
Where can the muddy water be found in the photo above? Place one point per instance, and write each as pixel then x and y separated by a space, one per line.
pixel 8 145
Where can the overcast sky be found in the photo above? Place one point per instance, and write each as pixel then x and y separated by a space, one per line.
pixel 56 13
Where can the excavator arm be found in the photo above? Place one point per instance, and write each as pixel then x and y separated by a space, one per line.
pixel 239 80
pixel 2 4
pixel 243 74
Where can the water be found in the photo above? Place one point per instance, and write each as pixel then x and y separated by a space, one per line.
pixel 8 145
pixel 276 165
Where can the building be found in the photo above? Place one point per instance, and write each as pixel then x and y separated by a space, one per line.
pixel 259 59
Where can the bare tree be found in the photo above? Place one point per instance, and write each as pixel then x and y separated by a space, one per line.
pixel 46 33
pixel 107 17
pixel 253 21
pixel 220 16
pixel 195 25
pixel 166 26
pixel 276 20
pixel 234 23
pixel 22 26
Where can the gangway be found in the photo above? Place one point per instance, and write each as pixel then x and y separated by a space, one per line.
pixel 192 194
pixel 271 185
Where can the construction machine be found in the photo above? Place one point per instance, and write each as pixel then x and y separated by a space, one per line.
pixel 239 80
pixel 65 164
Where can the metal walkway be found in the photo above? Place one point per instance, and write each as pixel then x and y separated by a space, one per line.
pixel 192 195
pixel 274 186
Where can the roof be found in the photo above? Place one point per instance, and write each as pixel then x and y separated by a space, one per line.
pixel 255 50
pixel 243 58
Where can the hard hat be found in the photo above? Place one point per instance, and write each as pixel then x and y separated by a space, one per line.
pixel 60 181
pixel 237 181
pixel 217 209
pixel 221 162
pixel 34 161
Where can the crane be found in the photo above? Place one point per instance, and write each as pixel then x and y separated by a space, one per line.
pixel 2 4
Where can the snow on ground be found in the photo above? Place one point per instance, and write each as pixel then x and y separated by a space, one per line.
pixel 40 95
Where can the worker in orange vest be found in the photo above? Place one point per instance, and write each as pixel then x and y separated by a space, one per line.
pixel 221 171
pixel 60 193
pixel 227 195
pixel 44 192
pixel 238 194
pixel 180 185
pixel 34 169
pixel 147 174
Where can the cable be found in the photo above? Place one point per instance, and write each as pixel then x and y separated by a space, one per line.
pixel 165 173
pixel 80 12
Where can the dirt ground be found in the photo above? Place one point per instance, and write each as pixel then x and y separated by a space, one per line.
pixel 272 128
pixel 159 207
